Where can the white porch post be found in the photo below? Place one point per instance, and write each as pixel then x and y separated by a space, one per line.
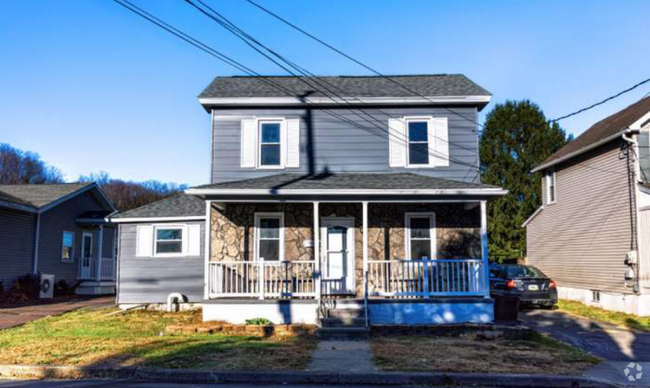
pixel 364 206
pixel 206 268
pixel 99 252
pixel 484 248
pixel 317 256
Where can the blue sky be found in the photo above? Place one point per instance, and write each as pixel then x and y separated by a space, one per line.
pixel 92 87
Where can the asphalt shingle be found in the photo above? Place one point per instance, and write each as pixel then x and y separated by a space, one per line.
pixel 431 85
pixel 38 195
pixel 178 206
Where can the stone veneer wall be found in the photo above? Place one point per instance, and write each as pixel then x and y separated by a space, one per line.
pixel 457 230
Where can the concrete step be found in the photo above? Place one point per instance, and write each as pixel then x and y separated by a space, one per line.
pixel 343 333
pixel 345 313
pixel 343 322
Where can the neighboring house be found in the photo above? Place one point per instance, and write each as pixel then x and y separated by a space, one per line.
pixel 58 229
pixel 313 206
pixel 592 233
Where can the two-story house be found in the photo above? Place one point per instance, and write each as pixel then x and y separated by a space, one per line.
pixel 369 201
pixel 592 233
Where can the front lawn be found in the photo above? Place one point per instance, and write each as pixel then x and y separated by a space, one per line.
pixel 622 319
pixel 101 337
pixel 467 354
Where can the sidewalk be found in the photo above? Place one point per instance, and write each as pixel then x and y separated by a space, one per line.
pixel 14 316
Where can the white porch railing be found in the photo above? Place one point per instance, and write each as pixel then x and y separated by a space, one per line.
pixel 261 279
pixel 426 278
pixel 108 268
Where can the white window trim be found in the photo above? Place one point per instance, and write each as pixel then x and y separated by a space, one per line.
pixel 429 121
pixel 548 187
pixel 270 120
pixel 71 259
pixel 184 238
pixel 407 233
pixel 256 232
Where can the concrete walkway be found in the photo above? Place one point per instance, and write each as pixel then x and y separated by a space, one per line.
pixel 14 316
pixel 342 357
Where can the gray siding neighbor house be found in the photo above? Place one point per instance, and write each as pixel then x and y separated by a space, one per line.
pixel 58 229
pixel 368 200
pixel 592 233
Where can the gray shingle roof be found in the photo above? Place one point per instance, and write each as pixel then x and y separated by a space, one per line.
pixel 347 181
pixel 178 206
pixel 39 196
pixel 432 85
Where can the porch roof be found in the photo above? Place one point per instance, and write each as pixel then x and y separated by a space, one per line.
pixel 347 184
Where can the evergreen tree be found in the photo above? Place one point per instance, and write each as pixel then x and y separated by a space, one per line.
pixel 516 138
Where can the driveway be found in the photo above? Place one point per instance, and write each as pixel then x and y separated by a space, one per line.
pixel 616 345
pixel 14 316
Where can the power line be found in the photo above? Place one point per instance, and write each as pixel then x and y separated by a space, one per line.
pixel 601 102
pixel 306 76
pixel 365 66
pixel 231 62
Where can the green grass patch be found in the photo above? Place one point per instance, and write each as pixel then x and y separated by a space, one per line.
pixel 100 337
pixel 617 318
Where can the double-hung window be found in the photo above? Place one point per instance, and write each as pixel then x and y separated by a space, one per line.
pixel 269 233
pixel 270 151
pixel 67 246
pixel 551 193
pixel 168 241
pixel 420 236
pixel 418 142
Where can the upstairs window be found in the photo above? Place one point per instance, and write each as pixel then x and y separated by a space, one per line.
pixel 269 236
pixel 418 142
pixel 420 236
pixel 550 187
pixel 270 147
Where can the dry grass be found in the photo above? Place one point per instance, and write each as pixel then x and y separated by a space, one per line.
pixel 469 355
pixel 97 337
pixel 617 318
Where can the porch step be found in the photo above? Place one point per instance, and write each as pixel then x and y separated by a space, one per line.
pixel 345 313
pixel 343 333
pixel 343 322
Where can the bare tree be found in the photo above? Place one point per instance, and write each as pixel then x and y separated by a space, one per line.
pixel 23 167
pixel 127 195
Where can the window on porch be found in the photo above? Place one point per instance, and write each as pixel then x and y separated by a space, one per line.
pixel 269 237
pixel 420 236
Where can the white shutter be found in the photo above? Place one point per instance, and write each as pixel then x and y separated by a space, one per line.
pixel 397 142
pixel 440 141
pixel 293 143
pixel 144 241
pixel 248 143
pixel 194 240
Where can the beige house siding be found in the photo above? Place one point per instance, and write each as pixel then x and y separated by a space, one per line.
pixel 457 227
pixel 582 239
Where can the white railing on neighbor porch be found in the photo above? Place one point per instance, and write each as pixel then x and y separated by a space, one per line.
pixel 108 268
pixel 426 278
pixel 261 279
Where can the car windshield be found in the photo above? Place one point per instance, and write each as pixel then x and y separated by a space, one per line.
pixel 523 271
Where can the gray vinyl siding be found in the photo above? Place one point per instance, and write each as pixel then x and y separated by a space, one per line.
pixel 582 239
pixel 16 245
pixel 53 223
pixel 144 280
pixel 341 146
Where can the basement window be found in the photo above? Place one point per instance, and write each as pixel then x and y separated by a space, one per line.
pixel 595 296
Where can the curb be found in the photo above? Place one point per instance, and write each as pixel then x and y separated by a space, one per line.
pixel 373 378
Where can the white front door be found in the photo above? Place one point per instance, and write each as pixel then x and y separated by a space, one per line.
pixel 338 257
pixel 86 259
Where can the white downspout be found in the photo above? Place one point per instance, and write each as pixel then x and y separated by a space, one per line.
pixel 37 237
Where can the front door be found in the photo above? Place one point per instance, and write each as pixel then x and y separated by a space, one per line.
pixel 338 257
pixel 86 259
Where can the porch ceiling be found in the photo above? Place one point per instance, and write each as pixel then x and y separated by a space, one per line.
pixel 347 186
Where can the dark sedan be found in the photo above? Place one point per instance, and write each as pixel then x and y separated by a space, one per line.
pixel 526 282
